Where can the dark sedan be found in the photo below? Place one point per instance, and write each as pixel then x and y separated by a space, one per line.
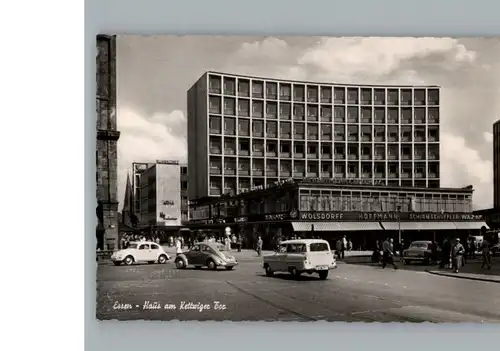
pixel 211 255
pixel 420 251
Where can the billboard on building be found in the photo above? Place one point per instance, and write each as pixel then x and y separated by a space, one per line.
pixel 168 194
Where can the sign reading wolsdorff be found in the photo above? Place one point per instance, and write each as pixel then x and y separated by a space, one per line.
pixel 387 216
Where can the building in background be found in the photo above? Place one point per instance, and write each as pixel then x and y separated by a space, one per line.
pixel 107 232
pixel 184 194
pixel 160 195
pixel 246 132
pixel 496 164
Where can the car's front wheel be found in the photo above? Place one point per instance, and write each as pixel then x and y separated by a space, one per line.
pixel 323 275
pixel 211 264
pixel 179 263
pixel 269 271
pixel 128 260
pixel 162 259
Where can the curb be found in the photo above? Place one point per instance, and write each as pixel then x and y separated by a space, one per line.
pixel 443 274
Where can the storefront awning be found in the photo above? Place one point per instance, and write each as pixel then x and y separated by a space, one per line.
pixel 471 225
pixel 419 225
pixel 335 226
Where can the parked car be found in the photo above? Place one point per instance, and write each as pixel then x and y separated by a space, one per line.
pixel 146 251
pixel 301 256
pixel 420 251
pixel 207 254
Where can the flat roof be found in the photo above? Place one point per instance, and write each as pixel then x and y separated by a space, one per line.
pixel 321 83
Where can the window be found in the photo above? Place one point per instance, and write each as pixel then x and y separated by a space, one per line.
pixel 244 127
pixel 258 128
pixel 298 112
pixel 243 88
pixel 285 129
pixel 271 128
pixel 258 89
pixel 285 92
pixel 285 111
pixel 195 248
pixel 184 185
pixel 215 125
pixel 214 104
pixel 271 90
pixel 326 94
pixel 299 130
pixel 214 84
pixel 271 110
pixel 229 86
pixel 312 94
pixel 144 247
pixel 230 126
pixel 312 112
pixel 154 247
pixel 298 93
pixel 243 107
pixel 257 108
pixel 229 106
pixel 352 115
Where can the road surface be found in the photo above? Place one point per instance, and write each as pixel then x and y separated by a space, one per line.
pixel 352 293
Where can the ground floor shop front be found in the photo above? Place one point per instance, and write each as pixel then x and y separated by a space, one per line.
pixel 362 234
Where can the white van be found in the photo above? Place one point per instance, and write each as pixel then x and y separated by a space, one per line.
pixel 301 256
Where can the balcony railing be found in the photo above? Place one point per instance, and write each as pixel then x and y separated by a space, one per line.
pixel 393 175
pixel 366 175
pixel 419 156
pixel 326 137
pixel 285 154
pixel 419 175
pixel 433 175
pixel 285 135
pixel 380 138
pixel 257 134
pixel 216 130
pixel 271 134
pixel 312 136
pixel 339 157
pixel 366 157
pixel 366 101
pixel 379 102
pixel 229 171
pixel 215 150
pixel 379 175
pixel 285 173
pixel 380 120
pixel 379 156
pixel 405 121
pixel 271 172
pixel 215 171
pixel 230 151
pixel 244 153
pixel 366 137
pixel 298 173
pixel 299 154
pixel 352 138
pixel 326 156
pixel 230 131
pixel 339 137
pixel 299 135
pixel 326 174
pixel 419 120
pixel 339 174
pixel 298 98
pixel 215 191
pixel 352 120
pixel 258 172
pixel 258 153
pixel 352 157
pixel 405 174
pixel 243 133
pixel 433 156
pixel 244 172
pixel 271 153
pixel 392 120
pixel 312 174
pixel 312 155
pixel 406 157
pixel 339 119
pixel 392 157
pixel 298 117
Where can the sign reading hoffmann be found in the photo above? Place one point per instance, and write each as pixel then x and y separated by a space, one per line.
pixel 168 194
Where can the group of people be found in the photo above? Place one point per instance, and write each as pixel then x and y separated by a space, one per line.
pixel 341 246
pixel 128 238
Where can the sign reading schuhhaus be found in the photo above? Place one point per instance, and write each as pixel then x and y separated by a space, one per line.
pixel 387 216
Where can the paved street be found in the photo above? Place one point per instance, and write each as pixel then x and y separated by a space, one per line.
pixel 351 293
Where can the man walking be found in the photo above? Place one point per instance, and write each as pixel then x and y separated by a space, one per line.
pixel 259 246
pixel 388 255
pixel 485 248
pixel 457 252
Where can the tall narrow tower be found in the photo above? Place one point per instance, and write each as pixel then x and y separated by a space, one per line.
pixel 107 137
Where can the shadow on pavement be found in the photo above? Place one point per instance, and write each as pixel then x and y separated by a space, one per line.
pixel 287 276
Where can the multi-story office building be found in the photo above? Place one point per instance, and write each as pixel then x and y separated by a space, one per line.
pixel 245 132
pixel 160 194
pixel 184 194
pixel 496 164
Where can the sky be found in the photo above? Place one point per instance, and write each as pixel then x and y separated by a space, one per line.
pixel 155 72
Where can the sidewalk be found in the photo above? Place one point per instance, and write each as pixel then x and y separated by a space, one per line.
pixel 473 271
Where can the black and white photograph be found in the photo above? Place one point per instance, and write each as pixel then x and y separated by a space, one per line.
pixel 288 179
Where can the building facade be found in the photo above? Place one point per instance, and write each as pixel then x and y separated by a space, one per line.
pixel 331 208
pixel 184 193
pixel 496 164
pixel 160 195
pixel 107 232
pixel 246 132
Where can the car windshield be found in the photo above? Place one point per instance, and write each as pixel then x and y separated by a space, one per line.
pixel 132 246
pixel 419 245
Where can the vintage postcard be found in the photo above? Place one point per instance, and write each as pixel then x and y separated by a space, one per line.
pixel 298 179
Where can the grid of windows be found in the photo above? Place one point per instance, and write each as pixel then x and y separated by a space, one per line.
pixel 262 130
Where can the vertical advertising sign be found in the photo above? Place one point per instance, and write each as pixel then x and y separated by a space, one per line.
pixel 168 193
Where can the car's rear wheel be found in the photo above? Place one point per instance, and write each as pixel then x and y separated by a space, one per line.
pixel 128 260
pixel 269 271
pixel 179 263
pixel 295 273
pixel 323 275
pixel 229 267
pixel 211 264
pixel 162 259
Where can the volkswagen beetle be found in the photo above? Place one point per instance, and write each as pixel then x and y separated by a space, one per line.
pixel 206 254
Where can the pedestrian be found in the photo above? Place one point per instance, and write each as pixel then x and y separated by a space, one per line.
pixel 338 248
pixel 227 242
pixel 486 253
pixel 457 252
pixel 344 246
pixel 259 246
pixel 178 246
pixel 445 253
pixel 388 255
pixel 238 243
